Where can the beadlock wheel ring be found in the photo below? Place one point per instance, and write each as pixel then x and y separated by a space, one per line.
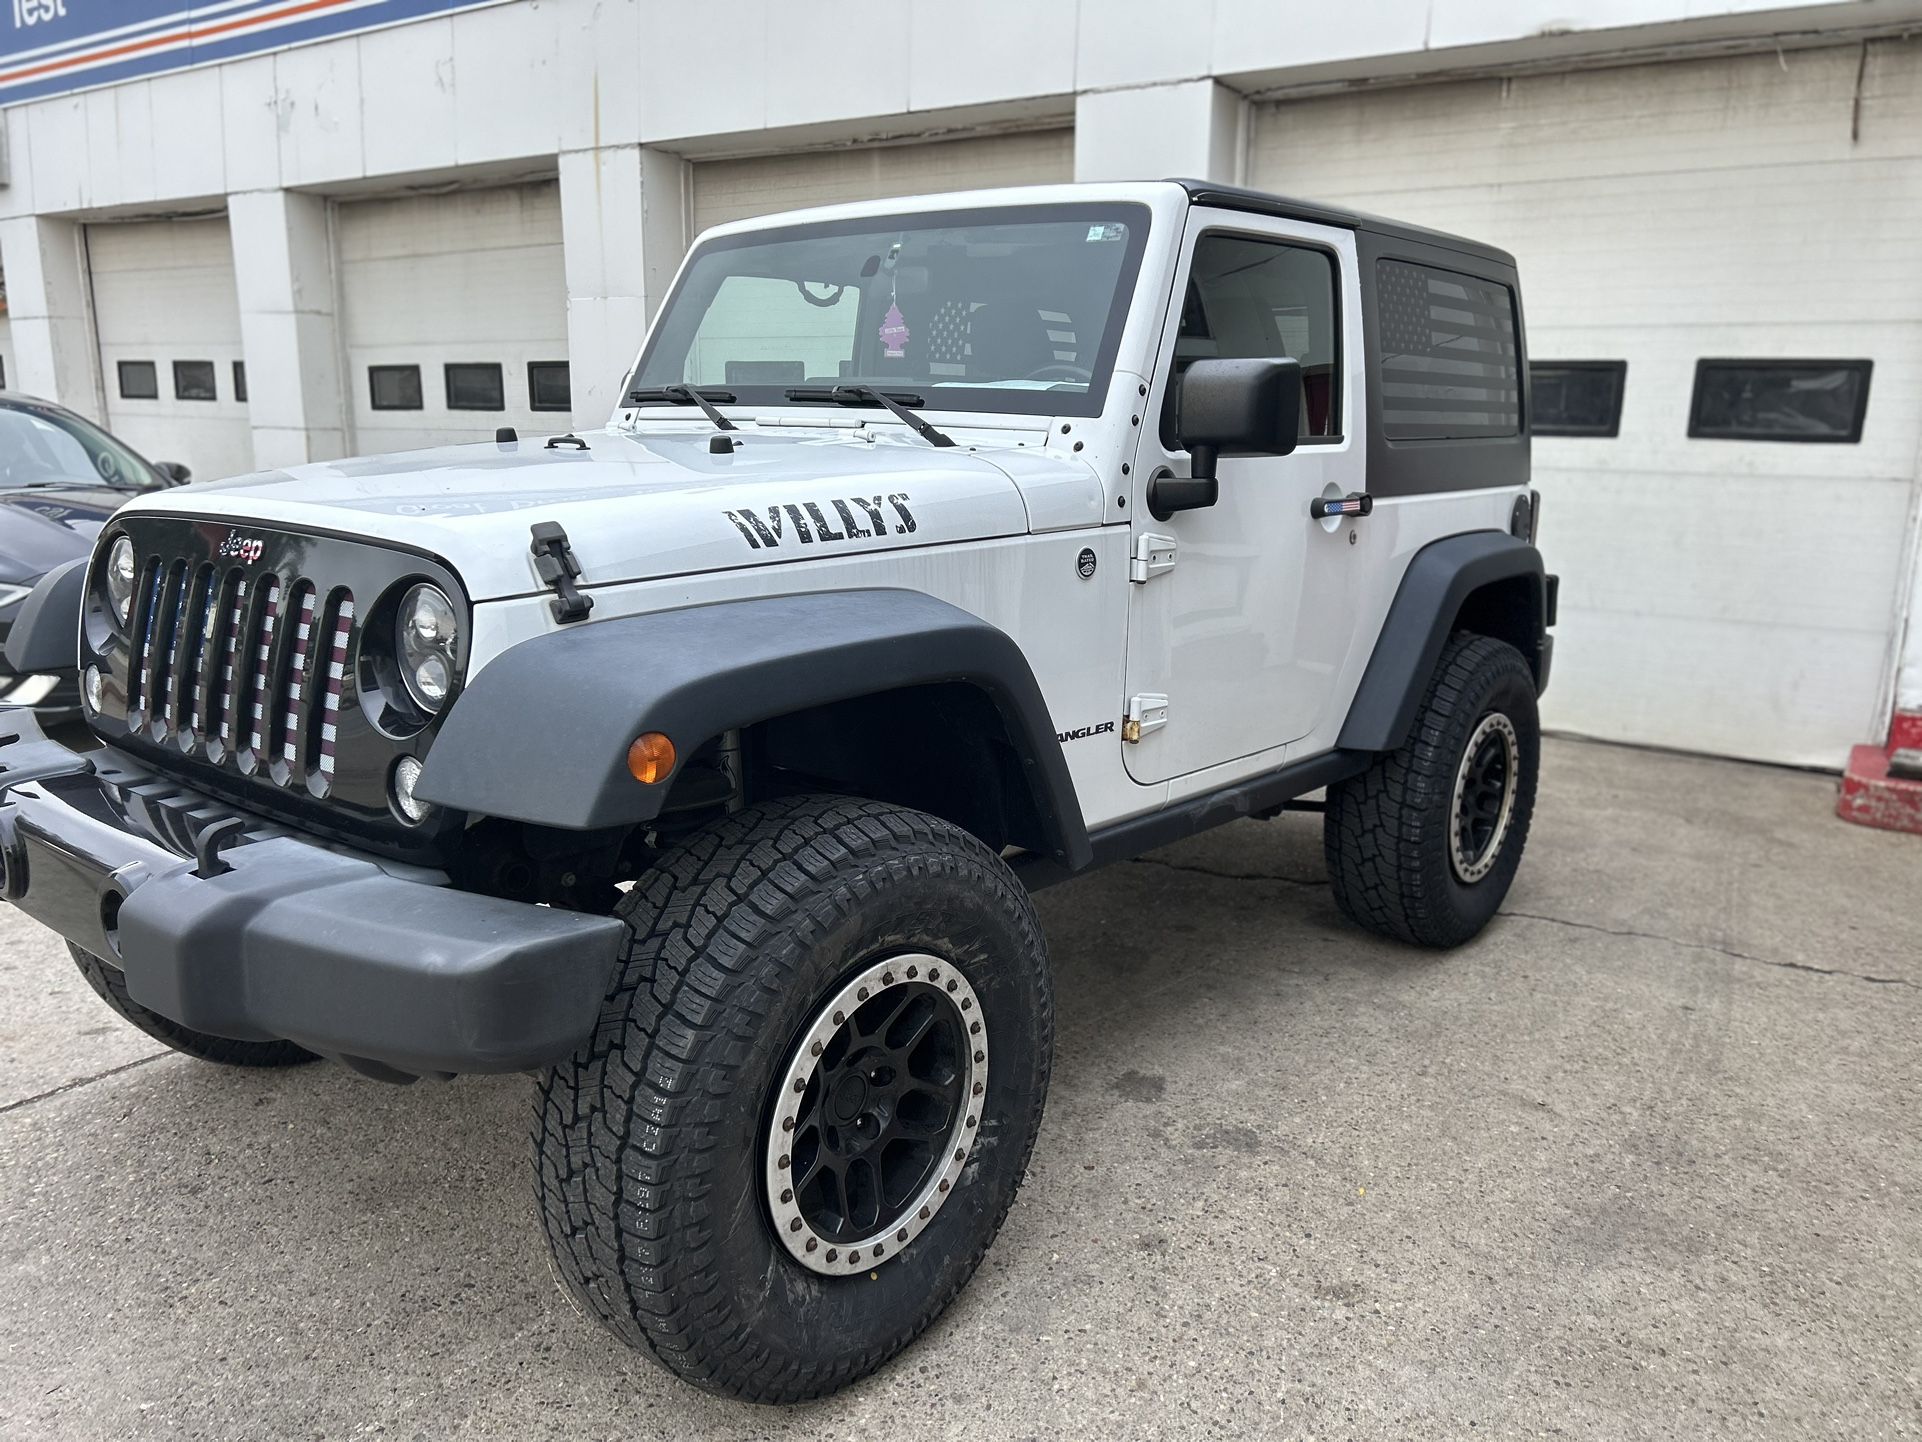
pixel 1484 802
pixel 876 1114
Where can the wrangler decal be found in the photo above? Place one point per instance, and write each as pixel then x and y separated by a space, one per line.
pixel 810 524
pixel 1082 733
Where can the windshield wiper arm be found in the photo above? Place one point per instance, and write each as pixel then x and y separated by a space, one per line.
pixel 687 396
pixel 895 401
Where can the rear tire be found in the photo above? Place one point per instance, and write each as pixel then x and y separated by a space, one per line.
pixel 1423 845
pixel 814 981
pixel 110 984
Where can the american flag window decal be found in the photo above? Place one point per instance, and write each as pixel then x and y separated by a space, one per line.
pixel 1449 368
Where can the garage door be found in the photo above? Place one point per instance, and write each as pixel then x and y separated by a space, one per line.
pixel 726 190
pixel 169 326
pixel 1737 596
pixel 453 315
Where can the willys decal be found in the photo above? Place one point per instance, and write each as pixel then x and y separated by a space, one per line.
pixel 859 518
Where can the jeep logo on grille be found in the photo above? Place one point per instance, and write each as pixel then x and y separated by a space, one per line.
pixel 237 547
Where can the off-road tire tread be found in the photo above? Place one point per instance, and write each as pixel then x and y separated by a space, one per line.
pixel 636 1102
pixel 110 983
pixel 1388 870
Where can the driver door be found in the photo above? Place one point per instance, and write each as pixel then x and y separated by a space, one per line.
pixel 1234 647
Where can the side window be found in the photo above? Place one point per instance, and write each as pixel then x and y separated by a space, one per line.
pixel 1449 363
pixel 1248 299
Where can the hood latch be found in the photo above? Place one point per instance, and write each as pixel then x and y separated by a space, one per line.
pixel 554 562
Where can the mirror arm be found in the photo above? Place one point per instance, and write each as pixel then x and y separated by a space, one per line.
pixel 1168 493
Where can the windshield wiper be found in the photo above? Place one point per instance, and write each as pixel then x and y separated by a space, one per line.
pixel 687 396
pixel 896 401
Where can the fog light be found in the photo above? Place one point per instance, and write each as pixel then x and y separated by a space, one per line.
pixel 406 776
pixel 650 758
pixel 96 688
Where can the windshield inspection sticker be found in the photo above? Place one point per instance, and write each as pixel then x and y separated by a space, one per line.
pixel 1109 231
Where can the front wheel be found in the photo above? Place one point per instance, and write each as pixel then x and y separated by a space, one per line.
pixel 1422 846
pixel 810 1099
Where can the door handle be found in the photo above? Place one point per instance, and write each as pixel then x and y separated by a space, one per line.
pixel 1355 503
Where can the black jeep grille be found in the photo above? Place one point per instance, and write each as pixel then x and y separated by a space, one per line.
pixel 241 669
pixel 209 678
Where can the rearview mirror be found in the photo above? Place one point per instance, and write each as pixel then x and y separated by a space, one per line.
pixel 1229 407
pixel 175 473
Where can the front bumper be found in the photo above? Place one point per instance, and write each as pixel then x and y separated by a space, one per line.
pixel 271 936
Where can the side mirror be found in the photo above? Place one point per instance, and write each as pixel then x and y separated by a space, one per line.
pixel 1245 407
pixel 176 474
pixel 1231 407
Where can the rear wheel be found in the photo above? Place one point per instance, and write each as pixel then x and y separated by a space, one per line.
pixel 1423 845
pixel 810 1099
pixel 110 983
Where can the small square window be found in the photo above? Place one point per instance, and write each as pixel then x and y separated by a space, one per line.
pixel 1780 400
pixel 139 381
pixel 475 386
pixel 194 381
pixel 240 380
pixel 3 372
pixel 547 386
pixel 1576 398
pixel 394 388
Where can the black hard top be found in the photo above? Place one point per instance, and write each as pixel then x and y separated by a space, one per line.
pixel 1260 202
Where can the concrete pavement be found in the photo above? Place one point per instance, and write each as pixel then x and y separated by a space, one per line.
pixel 1645 1160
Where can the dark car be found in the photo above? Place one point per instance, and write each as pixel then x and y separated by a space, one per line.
pixel 61 476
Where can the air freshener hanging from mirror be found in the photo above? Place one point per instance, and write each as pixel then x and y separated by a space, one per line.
pixel 894 326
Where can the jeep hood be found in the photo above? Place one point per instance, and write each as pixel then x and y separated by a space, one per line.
pixel 646 504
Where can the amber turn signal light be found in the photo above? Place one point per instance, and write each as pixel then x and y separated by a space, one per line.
pixel 650 758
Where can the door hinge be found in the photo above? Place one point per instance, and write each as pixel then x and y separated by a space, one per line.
pixel 1153 555
pixel 1145 713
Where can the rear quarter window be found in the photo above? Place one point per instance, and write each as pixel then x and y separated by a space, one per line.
pixel 1450 363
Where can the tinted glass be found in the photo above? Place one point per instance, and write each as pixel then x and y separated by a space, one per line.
pixel 1780 400
pixel 394 388
pixel 1576 398
pixel 475 386
pixel 547 386
pixel 194 381
pixel 240 380
pixel 1014 309
pixel 1450 365
pixel 139 381
pixel 1250 299
pixel 50 448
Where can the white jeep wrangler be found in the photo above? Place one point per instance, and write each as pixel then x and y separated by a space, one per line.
pixel 941 549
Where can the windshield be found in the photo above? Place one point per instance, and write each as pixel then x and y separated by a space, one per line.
pixel 46 448
pixel 1012 309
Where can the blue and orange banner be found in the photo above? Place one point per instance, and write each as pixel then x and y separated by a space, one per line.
pixel 49 47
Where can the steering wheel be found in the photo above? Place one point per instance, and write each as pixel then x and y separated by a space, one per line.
pixel 1061 371
pixel 108 467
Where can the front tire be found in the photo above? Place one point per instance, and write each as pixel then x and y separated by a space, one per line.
pixel 110 984
pixel 1423 845
pixel 810 1099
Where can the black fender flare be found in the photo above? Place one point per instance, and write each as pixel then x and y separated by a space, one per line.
pixel 1439 579
pixel 541 734
pixel 45 637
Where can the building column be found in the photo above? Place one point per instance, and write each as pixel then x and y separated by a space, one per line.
pixel 1154 132
pixel 623 230
pixel 1908 679
pixel 49 299
pixel 284 277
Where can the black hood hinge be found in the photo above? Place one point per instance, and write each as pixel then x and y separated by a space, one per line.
pixel 558 570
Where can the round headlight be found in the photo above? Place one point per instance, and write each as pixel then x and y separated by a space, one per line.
pixel 120 579
pixel 428 630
